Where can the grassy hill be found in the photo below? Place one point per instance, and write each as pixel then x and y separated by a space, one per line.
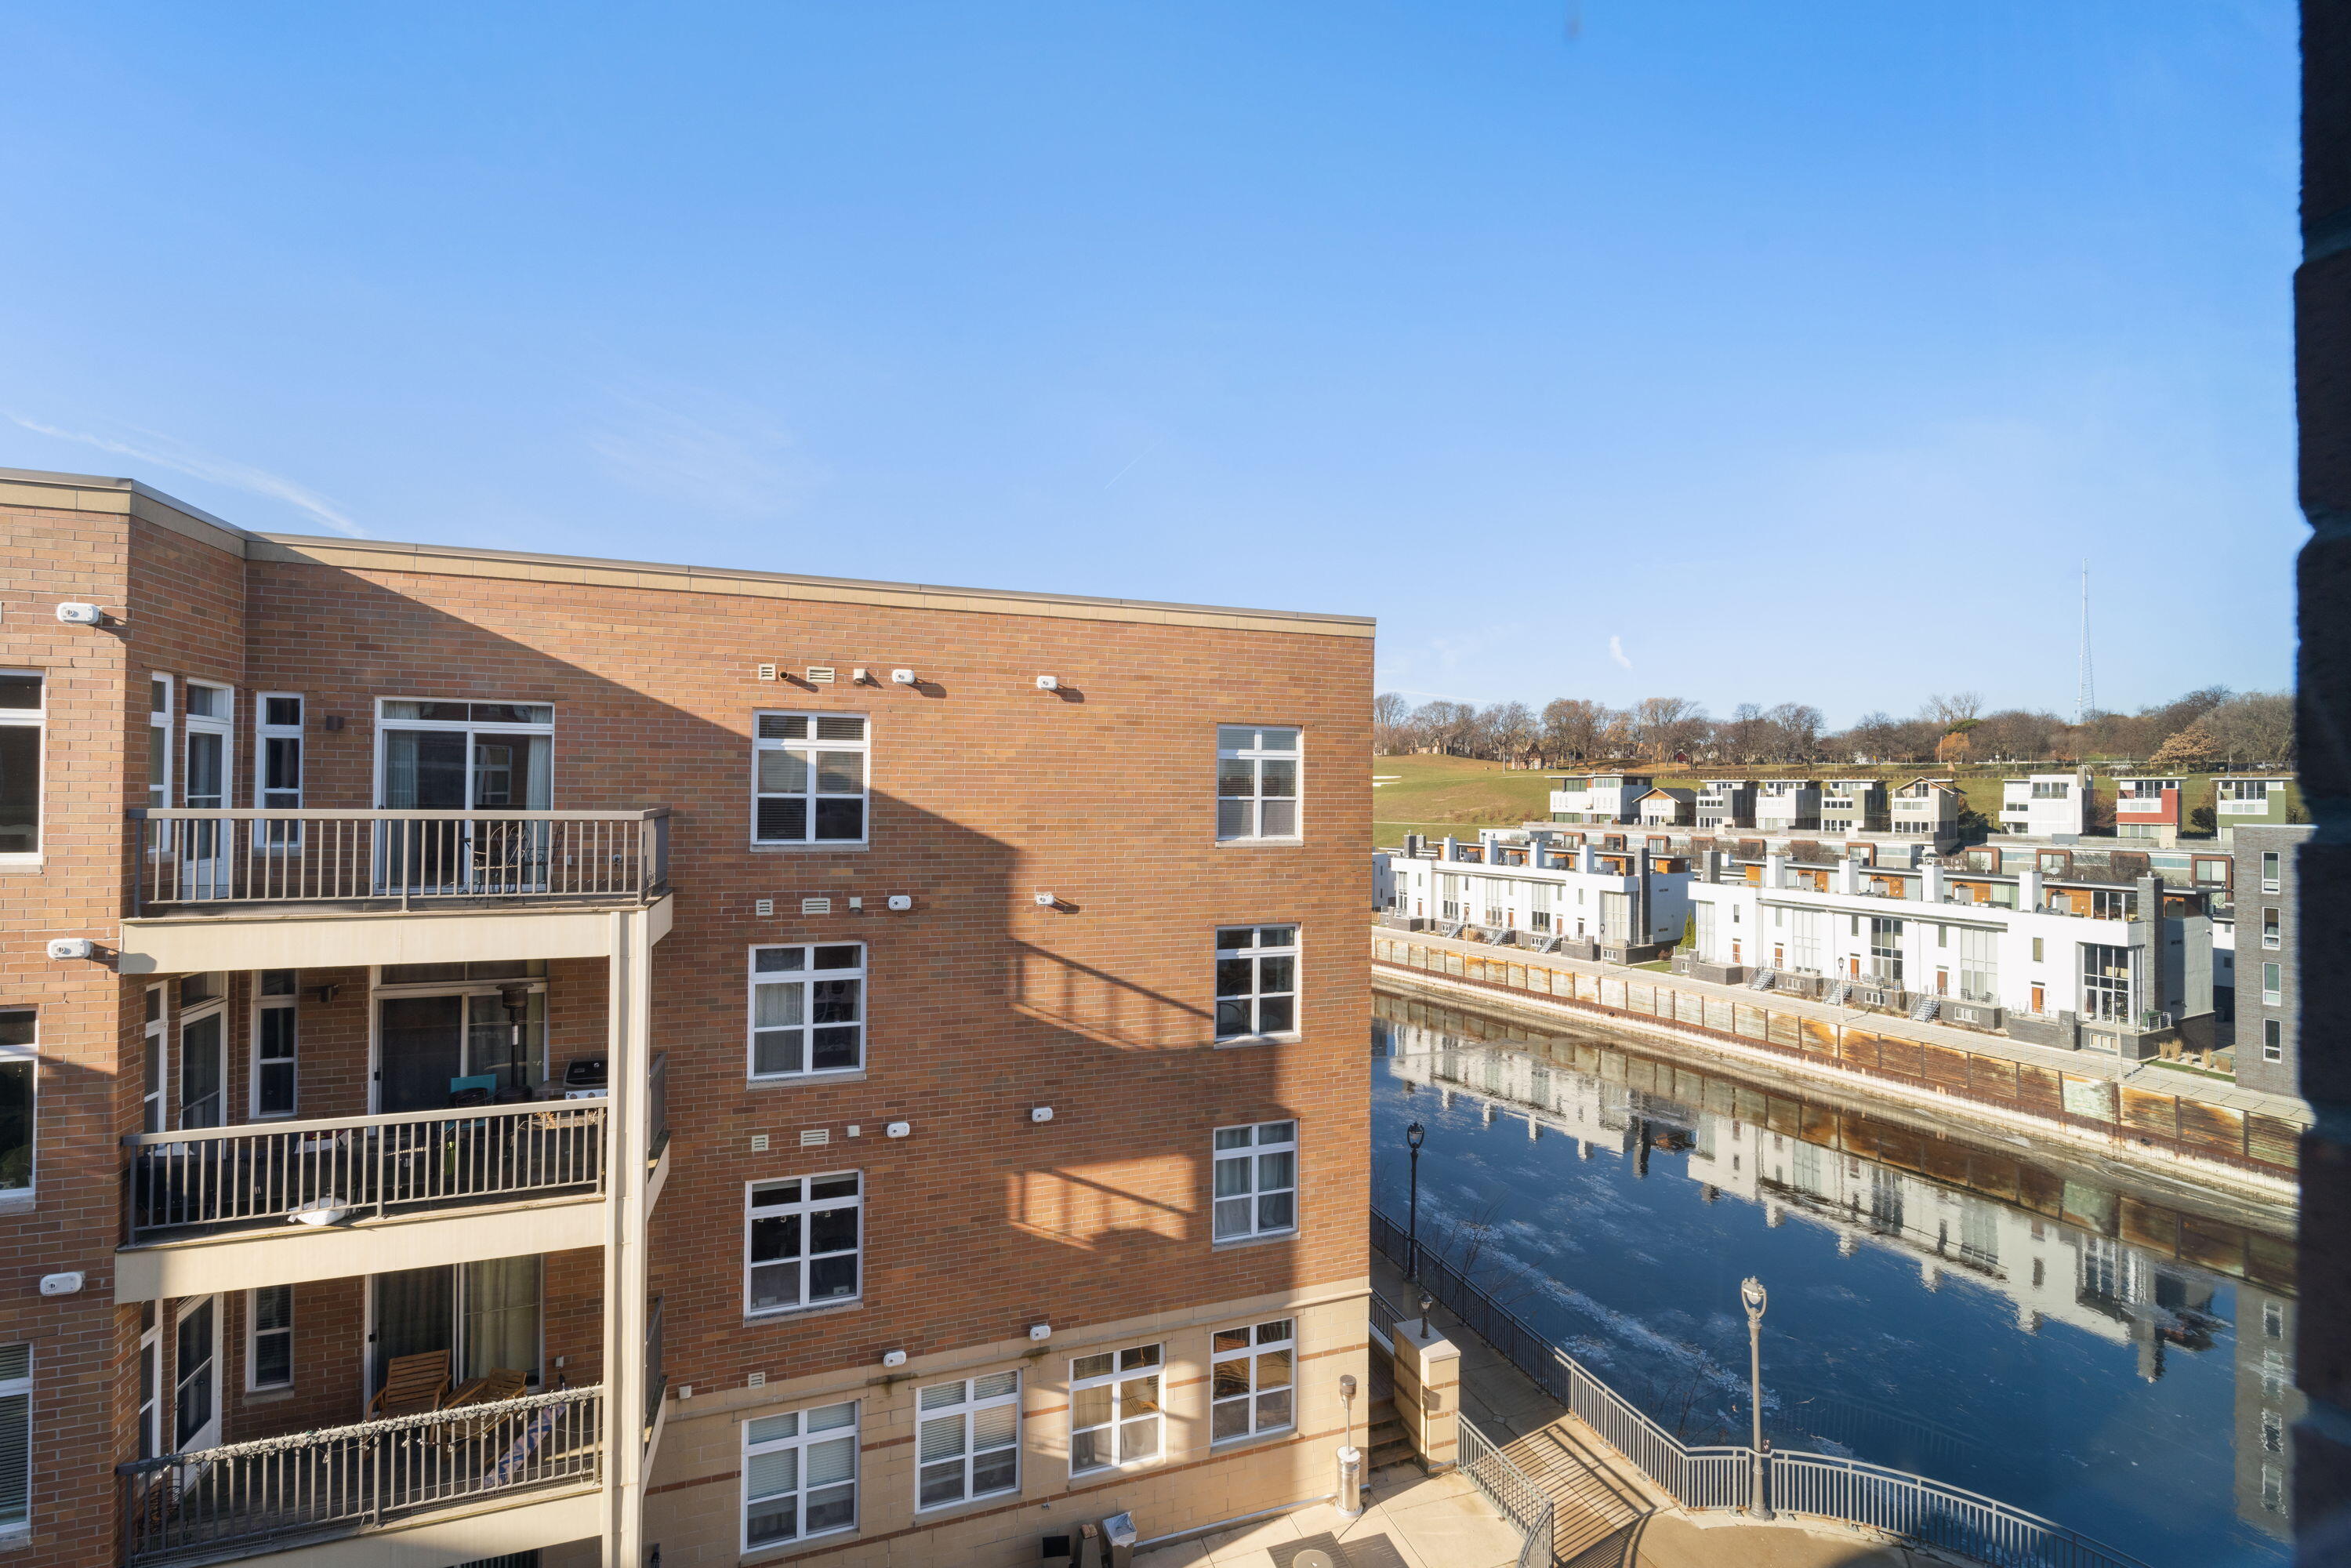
pixel 1458 795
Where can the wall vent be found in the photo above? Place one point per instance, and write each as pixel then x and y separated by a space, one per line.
pixel 819 674
pixel 812 1137
pixel 816 906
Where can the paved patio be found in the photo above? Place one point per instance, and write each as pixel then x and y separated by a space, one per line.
pixel 1409 1520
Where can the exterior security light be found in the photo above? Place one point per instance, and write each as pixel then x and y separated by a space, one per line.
pixel 893 1358
pixel 1040 1113
pixel 81 615
pixel 899 1129
pixel 1048 684
pixel 901 901
pixel 1040 1332
pixel 903 677
pixel 72 947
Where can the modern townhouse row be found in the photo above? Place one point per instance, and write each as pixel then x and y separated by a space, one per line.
pixel 528 1058
pixel 2085 946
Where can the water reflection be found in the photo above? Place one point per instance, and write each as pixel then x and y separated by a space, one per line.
pixel 2053 1332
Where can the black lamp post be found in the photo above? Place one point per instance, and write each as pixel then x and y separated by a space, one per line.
pixel 1414 1137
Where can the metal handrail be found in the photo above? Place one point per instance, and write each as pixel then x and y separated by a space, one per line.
pixel 1514 1493
pixel 1913 1507
pixel 187 856
pixel 329 1169
pixel 343 1479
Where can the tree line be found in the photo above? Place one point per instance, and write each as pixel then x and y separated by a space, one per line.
pixel 2204 729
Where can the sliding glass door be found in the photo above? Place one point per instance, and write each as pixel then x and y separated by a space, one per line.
pixel 465 757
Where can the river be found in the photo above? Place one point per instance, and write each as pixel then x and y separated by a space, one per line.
pixel 2109 1350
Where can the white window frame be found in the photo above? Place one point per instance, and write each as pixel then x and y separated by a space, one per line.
pixel 473 729
pixel 17 1391
pixel 160 718
pixel 149 1415
pixel 28 1053
pixel 1259 1142
pixel 806 980
pixel 280 836
pixel 1246 1360
pixel 2272 927
pixel 1254 954
pixel 257 1065
pixel 801 1439
pixel 966 1410
pixel 2273 985
pixel 810 741
pixel 1149 1365
pixel 2272 1040
pixel 255 1334
pixel 2272 867
pixel 805 1207
pixel 1255 754
pixel 157 1037
pixel 35 719
pixel 222 724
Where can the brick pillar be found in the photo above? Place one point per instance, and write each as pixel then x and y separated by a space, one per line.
pixel 1428 1393
pixel 2322 1477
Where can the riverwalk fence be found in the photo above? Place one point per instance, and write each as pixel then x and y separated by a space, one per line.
pixel 2091 1101
pixel 1911 1508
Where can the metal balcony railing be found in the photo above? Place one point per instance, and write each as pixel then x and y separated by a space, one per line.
pixel 262 1175
pixel 280 1491
pixel 185 858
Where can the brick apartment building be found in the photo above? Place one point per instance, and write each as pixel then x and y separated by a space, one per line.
pixel 976 980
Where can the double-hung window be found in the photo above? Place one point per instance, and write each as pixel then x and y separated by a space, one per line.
pixel 273 1044
pixel 808 1009
pixel 809 778
pixel 2272 928
pixel 2272 879
pixel 1115 1408
pixel 969 1440
pixel 15 1436
pixel 19 1061
pixel 1257 782
pixel 1257 981
pixel 1250 1370
pixel 21 716
pixel 269 1337
pixel 159 742
pixel 2272 1040
pixel 1255 1180
pixel 2273 985
pixel 799 1475
pixel 801 1242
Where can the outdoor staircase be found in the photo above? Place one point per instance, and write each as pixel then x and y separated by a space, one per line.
pixel 1386 1442
pixel 1926 1011
pixel 1843 990
pixel 1762 980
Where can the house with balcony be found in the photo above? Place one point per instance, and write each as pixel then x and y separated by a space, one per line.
pixel 1926 809
pixel 1725 804
pixel 2249 801
pixel 2148 808
pixel 1788 806
pixel 1552 892
pixel 1598 797
pixel 1667 807
pixel 424 961
pixel 1853 806
pixel 2046 805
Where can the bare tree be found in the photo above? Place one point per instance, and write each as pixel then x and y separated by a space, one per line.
pixel 1513 729
pixel 1573 729
pixel 1795 731
pixel 1950 712
pixel 1390 713
pixel 2256 727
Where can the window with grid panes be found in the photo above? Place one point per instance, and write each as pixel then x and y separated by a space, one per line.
pixel 1115 1408
pixel 1257 782
pixel 16 1435
pixel 968 1439
pixel 1255 1180
pixel 1256 980
pixel 269 1337
pixel 273 1043
pixel 1249 1376
pixel 809 778
pixel 800 1242
pixel 808 1009
pixel 799 1474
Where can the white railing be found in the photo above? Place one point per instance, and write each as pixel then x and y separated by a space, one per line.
pixel 334 1169
pixel 208 858
pixel 1911 1506
pixel 339 1481
pixel 1513 1493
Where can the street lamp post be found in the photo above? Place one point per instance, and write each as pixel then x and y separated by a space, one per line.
pixel 1414 1137
pixel 1751 1296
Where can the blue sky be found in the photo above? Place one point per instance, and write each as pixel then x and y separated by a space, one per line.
pixel 1801 349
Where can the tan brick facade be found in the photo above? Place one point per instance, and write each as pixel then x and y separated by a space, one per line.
pixel 985 791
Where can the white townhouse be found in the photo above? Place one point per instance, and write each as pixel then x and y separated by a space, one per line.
pixel 1788 806
pixel 2046 805
pixel 1598 797
pixel 1542 891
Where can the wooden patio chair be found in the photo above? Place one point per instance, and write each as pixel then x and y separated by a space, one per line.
pixel 411 1383
pixel 497 1384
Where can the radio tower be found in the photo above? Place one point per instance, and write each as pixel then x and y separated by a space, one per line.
pixel 2085 696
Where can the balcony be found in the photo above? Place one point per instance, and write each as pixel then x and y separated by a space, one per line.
pixel 190 861
pixel 404 1473
pixel 217 1180
pixel 256 889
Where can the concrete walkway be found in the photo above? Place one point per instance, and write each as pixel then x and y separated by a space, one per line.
pixel 2141 1075
pixel 1409 1520
pixel 1605 1513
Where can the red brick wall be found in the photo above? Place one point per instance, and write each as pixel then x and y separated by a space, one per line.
pixel 982 1005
